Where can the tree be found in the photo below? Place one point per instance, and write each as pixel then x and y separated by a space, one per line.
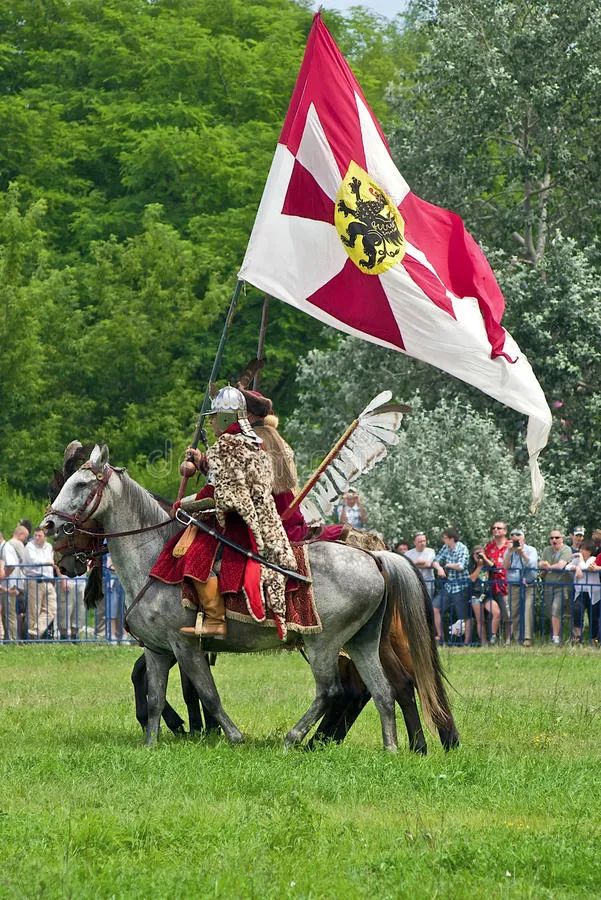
pixel 451 466
pixel 500 121
pixel 554 309
pixel 137 137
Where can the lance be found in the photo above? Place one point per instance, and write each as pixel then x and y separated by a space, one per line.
pixel 188 468
pixel 186 519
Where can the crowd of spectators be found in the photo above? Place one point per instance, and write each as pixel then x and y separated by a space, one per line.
pixel 509 589
pixel 38 602
pixel 505 587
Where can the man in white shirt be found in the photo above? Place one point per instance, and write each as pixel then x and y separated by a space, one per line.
pixel 587 589
pixel 41 594
pixel 11 556
pixel 422 556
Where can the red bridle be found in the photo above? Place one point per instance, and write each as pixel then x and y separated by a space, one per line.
pixel 93 499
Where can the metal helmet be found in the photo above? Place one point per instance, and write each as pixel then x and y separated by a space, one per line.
pixel 229 404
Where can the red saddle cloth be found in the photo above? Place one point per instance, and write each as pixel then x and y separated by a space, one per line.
pixel 301 614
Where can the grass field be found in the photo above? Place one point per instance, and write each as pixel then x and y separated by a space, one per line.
pixel 86 811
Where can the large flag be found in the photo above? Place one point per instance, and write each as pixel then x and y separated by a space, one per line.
pixel 340 235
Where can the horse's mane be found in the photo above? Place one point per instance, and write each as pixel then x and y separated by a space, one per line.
pixel 149 508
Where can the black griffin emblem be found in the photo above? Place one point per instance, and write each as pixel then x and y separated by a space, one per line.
pixel 373 223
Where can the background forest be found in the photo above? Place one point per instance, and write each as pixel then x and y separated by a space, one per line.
pixel 136 139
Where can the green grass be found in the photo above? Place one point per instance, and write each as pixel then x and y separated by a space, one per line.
pixel 86 811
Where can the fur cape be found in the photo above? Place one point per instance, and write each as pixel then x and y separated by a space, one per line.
pixel 243 479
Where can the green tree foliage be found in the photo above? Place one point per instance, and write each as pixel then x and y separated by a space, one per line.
pixel 452 465
pixel 501 121
pixel 137 138
pixel 554 307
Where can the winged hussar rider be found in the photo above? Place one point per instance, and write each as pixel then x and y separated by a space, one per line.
pixel 241 480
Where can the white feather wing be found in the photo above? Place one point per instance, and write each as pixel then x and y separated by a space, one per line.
pixel 376 431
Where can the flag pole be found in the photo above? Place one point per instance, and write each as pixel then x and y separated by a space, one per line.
pixel 187 468
pixel 261 343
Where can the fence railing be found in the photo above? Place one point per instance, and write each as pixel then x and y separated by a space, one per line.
pixel 521 607
pixel 38 608
pixel 518 606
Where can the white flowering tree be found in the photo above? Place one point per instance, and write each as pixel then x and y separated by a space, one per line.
pixel 451 467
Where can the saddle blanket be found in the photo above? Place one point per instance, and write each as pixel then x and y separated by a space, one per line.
pixel 301 614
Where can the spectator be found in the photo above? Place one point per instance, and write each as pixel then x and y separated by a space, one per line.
pixel 41 593
pixel 12 556
pixel 351 512
pixel 556 591
pixel 114 604
pixel 494 553
pixel 26 523
pixel 2 587
pixel 482 598
pixel 422 556
pixel 451 563
pixel 596 539
pixel 576 538
pixel 71 610
pixel 402 547
pixel 586 590
pixel 520 562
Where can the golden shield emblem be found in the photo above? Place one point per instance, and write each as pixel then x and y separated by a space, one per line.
pixel 370 226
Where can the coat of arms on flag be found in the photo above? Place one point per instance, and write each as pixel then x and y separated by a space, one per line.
pixel 340 235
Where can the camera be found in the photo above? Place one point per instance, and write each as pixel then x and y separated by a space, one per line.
pixel 515 542
pixel 480 558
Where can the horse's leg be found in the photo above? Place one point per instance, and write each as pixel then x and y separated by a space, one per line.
pixel 396 662
pixel 171 717
pixel 339 720
pixel 192 703
pixel 140 683
pixel 363 649
pixel 196 667
pixel 157 670
pixel 328 689
pixel 343 713
pixel 173 721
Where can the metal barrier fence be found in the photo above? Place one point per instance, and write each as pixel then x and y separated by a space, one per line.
pixel 40 609
pixel 526 608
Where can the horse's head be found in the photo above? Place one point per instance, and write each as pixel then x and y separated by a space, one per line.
pixel 81 497
pixel 78 504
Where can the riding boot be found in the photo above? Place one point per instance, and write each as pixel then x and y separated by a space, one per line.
pixel 212 623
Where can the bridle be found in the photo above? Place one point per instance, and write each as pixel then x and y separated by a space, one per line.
pixel 92 500
pixel 84 515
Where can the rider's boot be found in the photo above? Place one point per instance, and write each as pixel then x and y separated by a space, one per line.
pixel 212 623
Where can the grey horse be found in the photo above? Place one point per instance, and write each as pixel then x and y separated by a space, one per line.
pixel 354 591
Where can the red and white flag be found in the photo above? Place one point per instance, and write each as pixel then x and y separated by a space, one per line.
pixel 340 235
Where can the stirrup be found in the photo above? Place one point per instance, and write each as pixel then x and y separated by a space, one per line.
pixel 214 628
pixel 193 630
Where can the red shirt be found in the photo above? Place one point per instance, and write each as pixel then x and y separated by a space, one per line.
pixel 497 576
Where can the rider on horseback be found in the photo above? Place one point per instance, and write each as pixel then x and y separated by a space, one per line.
pixel 239 489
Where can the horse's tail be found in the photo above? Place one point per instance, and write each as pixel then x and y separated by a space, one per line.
pixel 409 626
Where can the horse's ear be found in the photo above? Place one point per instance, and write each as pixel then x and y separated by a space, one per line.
pixel 99 457
pixel 70 451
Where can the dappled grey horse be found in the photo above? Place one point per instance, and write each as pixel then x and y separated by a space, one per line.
pixel 354 591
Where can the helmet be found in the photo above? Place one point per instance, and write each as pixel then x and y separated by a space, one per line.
pixel 230 406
